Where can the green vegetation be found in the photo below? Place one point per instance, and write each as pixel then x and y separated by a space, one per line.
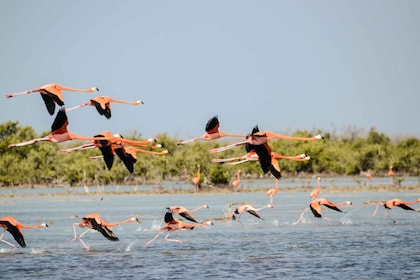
pixel 42 163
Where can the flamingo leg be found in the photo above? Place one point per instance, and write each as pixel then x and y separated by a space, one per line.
pixel 376 209
pixel 4 241
pixel 228 147
pixel 153 239
pixel 386 215
pixel 76 107
pixel 301 216
pixel 188 141
pixel 172 240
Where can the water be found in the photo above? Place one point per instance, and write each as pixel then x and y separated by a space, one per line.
pixel 352 245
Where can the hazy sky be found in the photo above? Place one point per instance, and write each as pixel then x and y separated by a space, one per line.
pixel 284 65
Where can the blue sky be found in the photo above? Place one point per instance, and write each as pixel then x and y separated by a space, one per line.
pixel 284 65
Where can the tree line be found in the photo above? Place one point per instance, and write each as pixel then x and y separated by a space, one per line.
pixel 42 163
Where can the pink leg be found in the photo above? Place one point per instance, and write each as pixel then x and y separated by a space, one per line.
pixel 301 216
pixel 172 240
pixel 154 238
pixel 376 209
pixel 4 241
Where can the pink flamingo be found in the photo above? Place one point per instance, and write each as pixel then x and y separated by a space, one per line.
pixel 103 104
pixel 10 224
pixel 196 180
pixel 173 225
pixel 249 209
pixel 95 222
pixel 399 203
pixel 315 207
pixel 237 182
pixel 184 212
pixel 212 132
pixel 59 133
pixel 315 193
pixel 262 137
pixel 52 94
pixel 271 193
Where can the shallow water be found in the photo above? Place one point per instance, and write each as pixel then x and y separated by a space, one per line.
pixel 352 245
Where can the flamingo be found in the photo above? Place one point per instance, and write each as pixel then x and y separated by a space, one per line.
pixel 103 104
pixel 10 224
pixel 59 133
pixel 184 212
pixel 391 174
pixel 95 222
pixel 196 180
pixel 396 202
pixel 252 156
pixel 258 137
pixel 52 94
pixel 315 207
pixel 237 182
pixel 315 193
pixel 249 209
pixel 173 225
pixel 212 132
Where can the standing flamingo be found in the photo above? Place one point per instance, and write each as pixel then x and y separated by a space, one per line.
pixel 184 212
pixel 315 193
pixel 173 225
pixel 196 180
pixel 212 132
pixel 315 207
pixel 103 104
pixel 237 182
pixel 52 94
pixel 249 209
pixel 258 137
pixel 59 133
pixel 10 224
pixel 95 222
pixel 391 174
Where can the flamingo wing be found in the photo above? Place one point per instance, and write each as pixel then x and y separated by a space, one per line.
pixel 17 235
pixel 60 123
pixel 169 217
pixel 49 103
pixel 104 230
pixel 405 207
pixel 316 210
pixel 128 162
pixel 212 125
pixel 253 212
pixel 187 216
pixel 102 111
pixel 333 207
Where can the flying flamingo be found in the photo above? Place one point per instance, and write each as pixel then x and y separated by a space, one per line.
pixel 399 203
pixel 184 212
pixel 252 156
pixel 212 132
pixel 315 207
pixel 258 137
pixel 59 133
pixel 95 222
pixel 52 94
pixel 10 224
pixel 315 193
pixel 196 180
pixel 173 225
pixel 249 209
pixel 103 104
pixel 237 182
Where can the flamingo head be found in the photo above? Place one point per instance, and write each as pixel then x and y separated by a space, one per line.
pixel 319 137
pixel 208 223
pixel 139 102
pixel 43 225
pixel 159 146
pixel 151 140
pixel 348 203
pixel 94 89
pixel 269 206
pixel 135 219
pixel 205 206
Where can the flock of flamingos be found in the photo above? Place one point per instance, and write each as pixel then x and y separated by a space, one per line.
pixel 255 143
